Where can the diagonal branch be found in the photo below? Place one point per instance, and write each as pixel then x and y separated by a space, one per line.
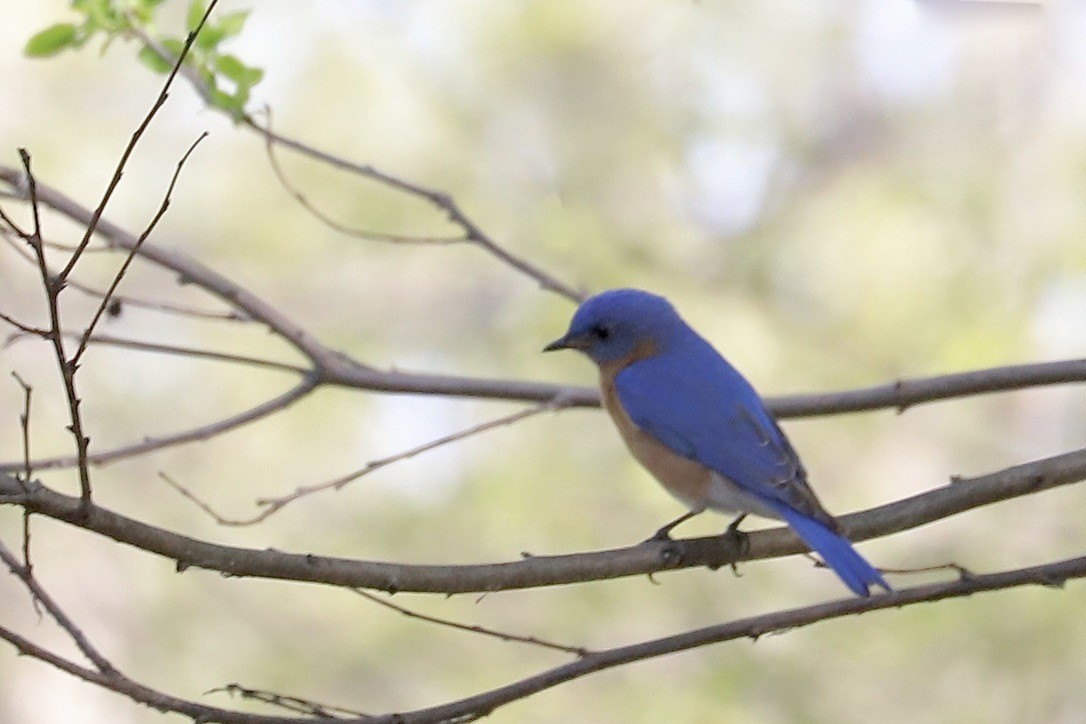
pixel 1052 574
pixel 535 571
pixel 133 141
pixel 471 628
pixel 196 434
pixel 23 573
pixel 104 303
pixel 273 505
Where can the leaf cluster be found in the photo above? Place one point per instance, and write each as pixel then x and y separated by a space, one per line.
pixel 227 80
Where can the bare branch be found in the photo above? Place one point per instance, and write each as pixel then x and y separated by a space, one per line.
pixel 1052 574
pixel 41 596
pixel 52 287
pixel 1049 575
pixel 442 201
pixel 204 432
pixel 501 635
pixel 272 505
pixel 337 369
pixel 905 393
pixel 331 223
pixel 115 682
pixel 122 299
pixel 535 571
pixel 89 329
pixel 133 141
pixel 28 469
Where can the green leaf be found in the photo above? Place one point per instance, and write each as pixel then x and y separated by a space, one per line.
pixel 197 8
pixel 242 75
pixel 150 57
pixel 51 41
pixel 174 45
pixel 209 37
pixel 231 24
pixel 229 103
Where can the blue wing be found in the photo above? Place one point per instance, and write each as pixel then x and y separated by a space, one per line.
pixel 692 400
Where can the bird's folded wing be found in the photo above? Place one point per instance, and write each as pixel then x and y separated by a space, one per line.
pixel 711 414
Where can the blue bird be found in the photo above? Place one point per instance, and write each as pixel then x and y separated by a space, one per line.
pixel 699 427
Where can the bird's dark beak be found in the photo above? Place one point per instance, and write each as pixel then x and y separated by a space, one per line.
pixel 569 341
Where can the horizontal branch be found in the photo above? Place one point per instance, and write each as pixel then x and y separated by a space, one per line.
pixel 905 393
pixel 327 366
pixel 1052 574
pixel 535 571
pixel 339 369
pixel 472 707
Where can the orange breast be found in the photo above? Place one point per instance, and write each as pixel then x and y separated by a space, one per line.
pixel 686 479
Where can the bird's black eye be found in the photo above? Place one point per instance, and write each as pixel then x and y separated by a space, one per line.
pixel 601 332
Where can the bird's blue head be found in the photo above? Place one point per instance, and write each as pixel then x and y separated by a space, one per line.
pixel 619 324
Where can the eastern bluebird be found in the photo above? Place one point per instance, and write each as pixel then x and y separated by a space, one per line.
pixel 699 427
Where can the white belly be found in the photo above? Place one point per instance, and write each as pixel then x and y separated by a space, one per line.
pixel 727 497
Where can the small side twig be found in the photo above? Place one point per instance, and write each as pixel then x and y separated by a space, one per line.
pixel 28 467
pixel 104 305
pixel 24 574
pixel 273 505
pixel 448 623
pixel 305 203
pixel 294 704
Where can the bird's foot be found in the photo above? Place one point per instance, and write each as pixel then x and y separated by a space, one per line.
pixel 661 536
pixel 733 539
pixel 664 533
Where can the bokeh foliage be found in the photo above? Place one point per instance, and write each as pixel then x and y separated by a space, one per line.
pixel 836 193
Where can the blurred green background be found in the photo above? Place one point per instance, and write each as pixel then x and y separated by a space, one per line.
pixel 836 193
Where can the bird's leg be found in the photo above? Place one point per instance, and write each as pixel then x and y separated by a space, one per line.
pixel 664 534
pixel 733 527
pixel 740 538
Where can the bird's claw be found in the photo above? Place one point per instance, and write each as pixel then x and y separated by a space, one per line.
pixel 661 536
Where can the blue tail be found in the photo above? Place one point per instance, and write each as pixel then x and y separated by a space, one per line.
pixel 837 551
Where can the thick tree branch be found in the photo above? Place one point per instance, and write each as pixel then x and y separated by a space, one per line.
pixel 535 571
pixel 472 707
pixel 1052 574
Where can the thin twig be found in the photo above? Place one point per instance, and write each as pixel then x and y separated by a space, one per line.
pixel 305 203
pixel 290 703
pixel 201 433
pixel 273 505
pixel 442 201
pixel 52 287
pixel 125 300
pixel 501 635
pixel 25 329
pixel 28 467
pixel 77 636
pixel 118 172
pixel 162 208
pixel 205 354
